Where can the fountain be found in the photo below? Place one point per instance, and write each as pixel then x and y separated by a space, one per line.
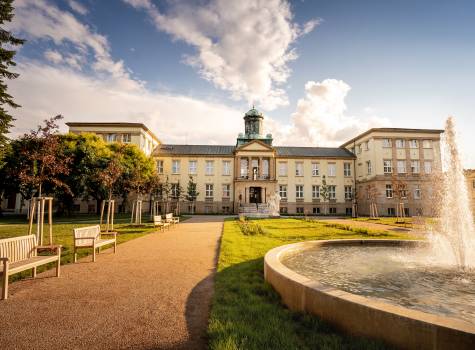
pixel 411 294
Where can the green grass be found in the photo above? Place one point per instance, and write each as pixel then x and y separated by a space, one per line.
pixel 62 234
pixel 247 313
pixel 392 221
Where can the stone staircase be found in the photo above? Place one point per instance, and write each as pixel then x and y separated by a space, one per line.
pixel 253 211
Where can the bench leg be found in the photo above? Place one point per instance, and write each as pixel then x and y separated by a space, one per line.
pixel 94 253
pixel 34 273
pixel 75 255
pixel 58 264
pixel 115 246
pixel 5 280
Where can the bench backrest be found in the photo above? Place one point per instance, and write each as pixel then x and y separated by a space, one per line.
pixel 88 231
pixel 18 248
pixel 169 216
pixel 157 219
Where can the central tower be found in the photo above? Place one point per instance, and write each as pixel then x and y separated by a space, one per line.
pixel 253 128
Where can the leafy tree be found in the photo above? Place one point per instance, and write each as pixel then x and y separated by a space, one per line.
pixel 42 160
pixel 192 193
pixel 325 193
pixel 7 42
pixel 88 153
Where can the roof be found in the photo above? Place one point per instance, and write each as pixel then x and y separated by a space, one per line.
pixel 206 150
pixel 114 124
pixel 320 152
pixel 253 113
pixel 282 151
pixel 422 131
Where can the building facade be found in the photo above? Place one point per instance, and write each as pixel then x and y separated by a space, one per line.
pixel 133 133
pixel 470 177
pixel 387 158
pixel 309 180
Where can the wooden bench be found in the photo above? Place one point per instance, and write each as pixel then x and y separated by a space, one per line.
pixel 21 253
pixel 91 237
pixel 157 221
pixel 171 219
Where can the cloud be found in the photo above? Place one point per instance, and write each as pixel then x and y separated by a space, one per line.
pixel 242 46
pixel 77 7
pixel 53 56
pixel 321 119
pixel 38 19
pixel 44 91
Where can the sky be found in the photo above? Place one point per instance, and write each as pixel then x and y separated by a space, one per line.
pixel 321 71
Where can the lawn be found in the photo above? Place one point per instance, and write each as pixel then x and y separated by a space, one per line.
pixel 62 234
pixel 247 313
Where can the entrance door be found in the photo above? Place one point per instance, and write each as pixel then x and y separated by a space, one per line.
pixel 255 195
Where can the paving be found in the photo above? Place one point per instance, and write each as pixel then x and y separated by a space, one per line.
pixel 154 293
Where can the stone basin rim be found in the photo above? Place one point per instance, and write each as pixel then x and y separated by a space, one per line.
pixel 272 261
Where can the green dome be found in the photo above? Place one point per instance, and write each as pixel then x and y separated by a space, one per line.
pixel 253 113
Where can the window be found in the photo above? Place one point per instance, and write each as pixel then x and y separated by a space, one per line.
pixel 244 168
pixel 388 166
pixel 332 210
pixel 226 167
pixel 401 166
pixel 126 138
pixel 331 169
pixel 315 169
pixel 358 149
pixel 427 144
pixel 332 192
pixel 391 212
pixel 417 192
pixel 192 167
pixel 427 167
pixel 225 210
pixel 348 192
pixel 369 167
pixel 283 191
pixel 415 167
pixel 389 191
pixel 366 146
pixel 299 191
pixel 316 210
pixel 283 169
pixel 160 166
pixel 265 168
pixel 175 166
pixel 348 211
pixel 315 192
pixel 298 169
pixel 111 137
pixel 400 143
pixel 347 169
pixel 283 210
pixel 413 144
pixel 175 190
pixel 299 210
pixel 209 167
pixel 209 190
pixel 387 143
pixel 226 190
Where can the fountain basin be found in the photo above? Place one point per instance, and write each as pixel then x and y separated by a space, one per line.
pixel 360 315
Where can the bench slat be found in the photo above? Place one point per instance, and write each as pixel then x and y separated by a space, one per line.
pixel 30 263
pixel 18 248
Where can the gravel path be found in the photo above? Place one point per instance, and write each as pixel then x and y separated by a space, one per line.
pixel 153 294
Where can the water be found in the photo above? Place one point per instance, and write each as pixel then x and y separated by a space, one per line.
pixel 453 239
pixel 409 277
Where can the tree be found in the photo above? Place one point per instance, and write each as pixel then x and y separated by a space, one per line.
pixel 400 193
pixel 372 194
pixel 7 41
pixel 325 194
pixel 178 195
pixel 43 162
pixel 88 153
pixel 166 193
pixel 192 193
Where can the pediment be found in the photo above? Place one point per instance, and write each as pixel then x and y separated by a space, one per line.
pixel 255 145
